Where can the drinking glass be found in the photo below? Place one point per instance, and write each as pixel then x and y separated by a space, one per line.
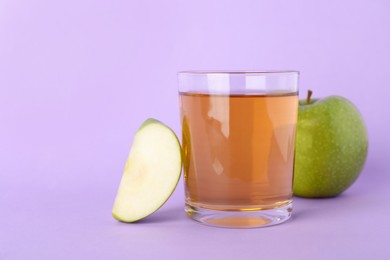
pixel 238 139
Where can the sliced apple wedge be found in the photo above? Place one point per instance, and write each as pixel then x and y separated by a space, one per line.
pixel 151 173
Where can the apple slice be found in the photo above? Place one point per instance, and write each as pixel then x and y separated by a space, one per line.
pixel 151 173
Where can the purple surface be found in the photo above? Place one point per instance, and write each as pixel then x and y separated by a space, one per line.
pixel 77 78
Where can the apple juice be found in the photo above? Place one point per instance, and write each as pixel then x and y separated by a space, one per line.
pixel 238 150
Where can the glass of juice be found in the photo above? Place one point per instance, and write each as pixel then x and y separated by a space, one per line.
pixel 238 139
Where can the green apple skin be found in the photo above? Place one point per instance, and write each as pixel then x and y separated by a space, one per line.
pixel 331 147
pixel 151 174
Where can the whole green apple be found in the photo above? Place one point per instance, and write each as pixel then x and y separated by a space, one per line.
pixel 331 146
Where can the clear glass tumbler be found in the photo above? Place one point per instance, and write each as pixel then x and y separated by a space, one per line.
pixel 238 138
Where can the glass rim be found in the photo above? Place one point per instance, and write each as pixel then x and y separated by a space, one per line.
pixel 237 72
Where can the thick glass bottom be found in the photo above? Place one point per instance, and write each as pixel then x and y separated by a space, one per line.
pixel 239 219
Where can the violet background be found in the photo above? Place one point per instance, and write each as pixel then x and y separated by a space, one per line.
pixel 77 78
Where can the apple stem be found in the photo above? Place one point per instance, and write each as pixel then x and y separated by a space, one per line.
pixel 309 93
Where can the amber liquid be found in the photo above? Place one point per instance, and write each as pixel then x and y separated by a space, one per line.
pixel 238 150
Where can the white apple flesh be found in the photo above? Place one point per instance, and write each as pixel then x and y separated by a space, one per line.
pixel 151 173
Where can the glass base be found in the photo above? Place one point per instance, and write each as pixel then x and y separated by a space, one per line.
pixel 239 219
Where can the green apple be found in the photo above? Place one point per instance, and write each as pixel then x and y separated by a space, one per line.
pixel 331 147
pixel 151 173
